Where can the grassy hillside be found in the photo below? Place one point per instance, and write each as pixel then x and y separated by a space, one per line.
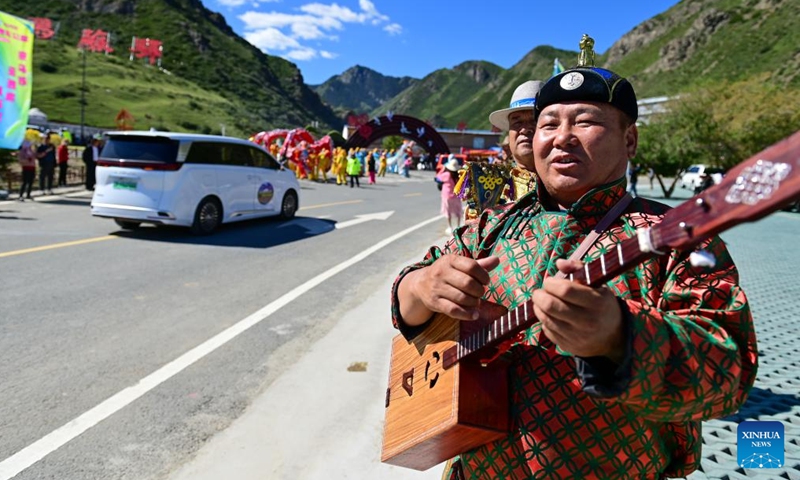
pixel 470 91
pixel 154 98
pixel 536 65
pixel 445 96
pixel 703 42
pixel 255 90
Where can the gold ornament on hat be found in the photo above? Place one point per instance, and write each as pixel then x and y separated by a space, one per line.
pixel 586 57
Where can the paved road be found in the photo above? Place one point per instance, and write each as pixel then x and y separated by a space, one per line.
pixel 97 320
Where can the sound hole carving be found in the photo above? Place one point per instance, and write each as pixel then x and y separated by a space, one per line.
pixel 433 380
pixel 408 382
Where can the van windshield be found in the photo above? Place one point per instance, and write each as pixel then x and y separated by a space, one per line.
pixel 149 149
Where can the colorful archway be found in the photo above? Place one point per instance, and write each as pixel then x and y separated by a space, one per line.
pixel 407 127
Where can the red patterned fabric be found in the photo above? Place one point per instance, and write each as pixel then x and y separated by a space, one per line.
pixel 692 349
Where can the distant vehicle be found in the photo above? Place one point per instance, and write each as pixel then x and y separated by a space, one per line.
pixel 441 159
pixel 467 155
pixel 691 178
pixel 197 181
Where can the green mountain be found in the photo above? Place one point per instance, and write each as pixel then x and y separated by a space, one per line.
pixel 701 42
pixel 361 89
pixel 694 44
pixel 536 65
pixel 213 77
pixel 446 95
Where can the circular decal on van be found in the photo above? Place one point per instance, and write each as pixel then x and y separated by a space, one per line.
pixel 265 193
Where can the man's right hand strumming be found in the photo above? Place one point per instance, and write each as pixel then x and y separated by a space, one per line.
pixel 452 285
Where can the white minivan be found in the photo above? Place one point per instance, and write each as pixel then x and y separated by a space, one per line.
pixel 197 181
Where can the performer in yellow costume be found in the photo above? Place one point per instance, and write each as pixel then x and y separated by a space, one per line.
pixel 382 164
pixel 313 162
pixel 323 164
pixel 340 166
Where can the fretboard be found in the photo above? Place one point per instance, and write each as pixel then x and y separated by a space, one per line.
pixel 618 259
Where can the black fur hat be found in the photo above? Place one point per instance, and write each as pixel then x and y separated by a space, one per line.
pixel 591 84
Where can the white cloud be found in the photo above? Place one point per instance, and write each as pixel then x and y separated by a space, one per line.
pixel 257 20
pixel 334 11
pixel 369 8
pixel 238 3
pixel 271 31
pixel 393 29
pixel 302 54
pixel 271 39
pixel 307 31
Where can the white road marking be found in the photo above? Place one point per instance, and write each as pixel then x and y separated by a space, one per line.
pixel 282 329
pixel 364 218
pixel 34 452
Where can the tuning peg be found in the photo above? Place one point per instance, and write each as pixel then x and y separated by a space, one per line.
pixel 702 258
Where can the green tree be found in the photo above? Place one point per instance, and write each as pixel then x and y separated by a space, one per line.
pixel 687 135
pixel 760 114
pixel 312 130
pixel 718 126
pixel 392 142
pixel 338 139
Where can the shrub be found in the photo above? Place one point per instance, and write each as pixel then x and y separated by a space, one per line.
pixel 48 67
pixel 189 125
pixel 64 93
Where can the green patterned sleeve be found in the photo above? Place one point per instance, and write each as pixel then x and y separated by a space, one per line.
pixel 462 242
pixel 694 354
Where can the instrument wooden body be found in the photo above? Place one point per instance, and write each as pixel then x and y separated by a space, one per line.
pixel 434 413
pixel 441 402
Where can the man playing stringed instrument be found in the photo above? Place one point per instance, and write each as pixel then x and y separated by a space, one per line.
pixel 609 382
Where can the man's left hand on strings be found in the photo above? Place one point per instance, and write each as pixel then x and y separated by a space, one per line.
pixel 581 320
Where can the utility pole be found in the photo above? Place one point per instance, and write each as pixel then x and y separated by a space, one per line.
pixel 83 93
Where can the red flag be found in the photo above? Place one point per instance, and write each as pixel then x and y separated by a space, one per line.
pixel 95 41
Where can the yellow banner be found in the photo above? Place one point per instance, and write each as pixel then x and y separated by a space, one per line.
pixel 16 67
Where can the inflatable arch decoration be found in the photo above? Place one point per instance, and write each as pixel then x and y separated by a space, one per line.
pixel 291 148
pixel 407 127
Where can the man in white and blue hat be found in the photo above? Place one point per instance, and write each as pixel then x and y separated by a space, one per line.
pixel 518 119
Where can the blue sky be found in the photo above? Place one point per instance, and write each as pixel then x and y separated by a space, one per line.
pixel 416 37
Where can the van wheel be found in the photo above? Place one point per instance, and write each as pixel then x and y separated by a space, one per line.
pixel 289 205
pixel 207 217
pixel 127 224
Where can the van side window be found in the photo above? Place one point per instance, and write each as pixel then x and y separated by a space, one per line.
pixel 241 155
pixel 207 153
pixel 214 153
pixel 263 159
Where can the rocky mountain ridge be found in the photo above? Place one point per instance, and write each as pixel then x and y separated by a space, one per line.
pixel 692 44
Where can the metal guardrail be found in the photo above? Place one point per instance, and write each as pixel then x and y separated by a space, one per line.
pixel 76 175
